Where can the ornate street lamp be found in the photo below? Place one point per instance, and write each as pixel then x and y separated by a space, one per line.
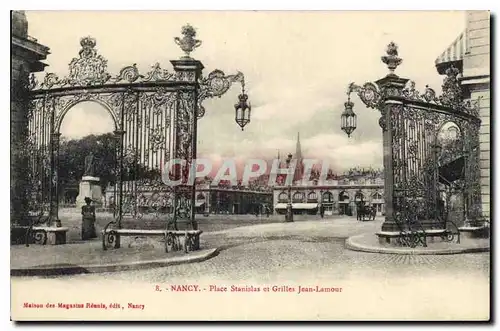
pixel 348 117
pixel 289 210
pixel 370 93
pixel 242 108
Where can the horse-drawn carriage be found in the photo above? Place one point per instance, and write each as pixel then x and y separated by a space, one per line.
pixel 365 212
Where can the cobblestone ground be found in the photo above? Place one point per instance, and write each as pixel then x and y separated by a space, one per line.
pixel 375 285
pixel 268 256
pixel 273 260
pixel 72 218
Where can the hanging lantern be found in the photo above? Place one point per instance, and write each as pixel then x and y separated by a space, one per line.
pixel 242 109
pixel 348 118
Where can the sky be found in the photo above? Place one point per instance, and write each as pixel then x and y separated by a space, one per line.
pixel 297 66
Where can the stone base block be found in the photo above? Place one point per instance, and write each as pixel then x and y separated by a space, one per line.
pixel 183 240
pixel 475 232
pixel 89 187
pixel 384 240
pixel 54 235
pixel 18 235
pixel 392 237
pixel 173 240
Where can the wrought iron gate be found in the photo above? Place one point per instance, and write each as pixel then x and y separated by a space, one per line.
pixel 155 117
pixel 418 165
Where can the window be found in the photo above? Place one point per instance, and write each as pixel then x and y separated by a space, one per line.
pixel 343 196
pixel 283 197
pixel 328 197
pixel 359 196
pixel 312 197
pixel 298 197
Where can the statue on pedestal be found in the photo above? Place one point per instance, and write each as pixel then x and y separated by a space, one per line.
pixel 89 168
pixel 89 185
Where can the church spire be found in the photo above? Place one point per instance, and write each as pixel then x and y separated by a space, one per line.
pixel 299 171
pixel 298 149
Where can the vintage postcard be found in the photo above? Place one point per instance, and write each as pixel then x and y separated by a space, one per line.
pixel 250 166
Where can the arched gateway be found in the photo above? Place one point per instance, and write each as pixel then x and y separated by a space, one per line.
pixel 155 117
pixel 431 152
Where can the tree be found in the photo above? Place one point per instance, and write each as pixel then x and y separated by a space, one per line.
pixel 72 155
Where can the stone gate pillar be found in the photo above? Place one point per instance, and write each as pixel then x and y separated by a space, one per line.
pixel 25 59
pixel 184 133
pixel 392 86
pixel 54 185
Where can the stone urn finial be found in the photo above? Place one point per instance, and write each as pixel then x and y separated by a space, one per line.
pixel 392 60
pixel 188 43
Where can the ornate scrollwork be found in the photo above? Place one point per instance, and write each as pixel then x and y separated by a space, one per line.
pixel 217 83
pixel 451 96
pixel 33 82
pixel 451 234
pixel 130 155
pixel 452 93
pixel 156 138
pixel 184 125
pixel 171 242
pixel 90 68
pixel 129 74
pixel 144 108
pixel 191 242
pixel 51 80
pixel 158 74
pixel 40 237
pixel 109 236
pixel 201 112
pixel 369 93
pixel 38 217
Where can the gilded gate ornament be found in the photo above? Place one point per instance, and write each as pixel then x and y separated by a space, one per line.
pixel 415 119
pixel 90 68
pixel 154 115
pixel 392 60
pixel 188 43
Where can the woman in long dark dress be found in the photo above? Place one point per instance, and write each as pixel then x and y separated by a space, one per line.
pixel 88 220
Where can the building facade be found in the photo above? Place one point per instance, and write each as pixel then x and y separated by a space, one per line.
pixel 338 197
pixel 210 199
pixel 470 53
pixel 232 200
pixel 26 57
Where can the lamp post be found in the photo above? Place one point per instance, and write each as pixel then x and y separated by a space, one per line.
pixel 215 85
pixel 320 204
pixel 289 210
pixel 377 95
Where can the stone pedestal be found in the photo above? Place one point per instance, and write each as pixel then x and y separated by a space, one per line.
pixel 49 235
pixel 89 187
pixel 57 236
